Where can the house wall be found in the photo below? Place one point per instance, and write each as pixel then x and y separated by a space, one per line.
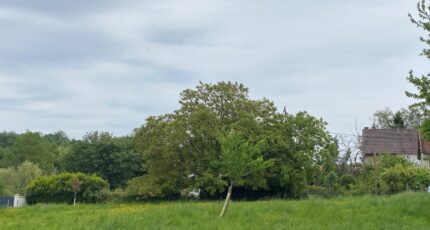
pixel 410 157
pixel 413 158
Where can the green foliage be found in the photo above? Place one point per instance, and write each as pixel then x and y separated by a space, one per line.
pixel 386 161
pixel 182 149
pixel 58 189
pixel 57 138
pixel 318 191
pixel 422 83
pixel 7 139
pixel 402 178
pixel 425 129
pixel 9 183
pixel 423 22
pixel 346 181
pixel 111 158
pixel 331 181
pixel 398 121
pixel 149 187
pixel 387 174
pixel 190 136
pixel 30 147
pixel 304 154
pixel 242 162
pixel 15 180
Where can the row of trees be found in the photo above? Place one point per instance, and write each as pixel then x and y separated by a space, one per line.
pixel 184 150
pixel 218 139
pixel 26 156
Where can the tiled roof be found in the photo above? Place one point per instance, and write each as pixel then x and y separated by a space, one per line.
pixel 425 147
pixel 399 141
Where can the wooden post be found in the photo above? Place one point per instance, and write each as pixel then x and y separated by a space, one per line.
pixel 227 200
pixel 376 173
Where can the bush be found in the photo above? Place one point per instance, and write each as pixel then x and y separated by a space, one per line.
pixel 401 178
pixel 150 188
pixel 331 182
pixel 347 181
pixel 388 161
pixel 58 189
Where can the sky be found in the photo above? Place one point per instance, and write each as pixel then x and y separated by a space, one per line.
pixel 107 65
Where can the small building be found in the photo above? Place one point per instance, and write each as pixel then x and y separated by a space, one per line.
pixel 404 142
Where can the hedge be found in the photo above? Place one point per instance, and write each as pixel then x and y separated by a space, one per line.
pixel 58 189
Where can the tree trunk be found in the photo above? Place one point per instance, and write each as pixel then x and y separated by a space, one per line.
pixel 227 200
pixel 74 200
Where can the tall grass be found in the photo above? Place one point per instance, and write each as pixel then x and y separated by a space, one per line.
pixel 403 211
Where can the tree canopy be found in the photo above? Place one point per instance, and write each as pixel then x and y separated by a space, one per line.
pixel 181 149
pixel 32 147
pixel 111 158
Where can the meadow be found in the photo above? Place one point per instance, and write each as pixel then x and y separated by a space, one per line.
pixel 403 211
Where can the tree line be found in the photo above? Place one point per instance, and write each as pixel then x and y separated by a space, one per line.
pixel 183 149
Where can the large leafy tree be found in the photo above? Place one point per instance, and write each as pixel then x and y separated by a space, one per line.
pixel 185 143
pixel 179 149
pixel 111 158
pixel 304 154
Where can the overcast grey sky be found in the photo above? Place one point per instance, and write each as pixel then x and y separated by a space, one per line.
pixel 106 65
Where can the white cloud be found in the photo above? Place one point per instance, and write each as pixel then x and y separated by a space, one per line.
pixel 110 64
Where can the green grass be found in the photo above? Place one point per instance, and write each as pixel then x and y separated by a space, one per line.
pixel 403 211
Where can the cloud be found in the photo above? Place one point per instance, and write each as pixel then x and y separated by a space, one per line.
pixel 107 65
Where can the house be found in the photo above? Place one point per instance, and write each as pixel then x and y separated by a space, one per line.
pixel 405 142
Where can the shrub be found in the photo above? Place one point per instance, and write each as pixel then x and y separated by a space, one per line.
pixel 388 161
pixel 146 187
pixel 346 181
pixel 58 189
pixel 401 178
pixel 331 181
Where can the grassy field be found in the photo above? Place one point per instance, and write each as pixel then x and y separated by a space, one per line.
pixel 404 211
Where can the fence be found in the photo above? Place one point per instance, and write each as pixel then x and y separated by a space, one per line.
pixel 6 202
pixel 16 202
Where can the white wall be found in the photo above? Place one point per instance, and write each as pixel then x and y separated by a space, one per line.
pixel 19 201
